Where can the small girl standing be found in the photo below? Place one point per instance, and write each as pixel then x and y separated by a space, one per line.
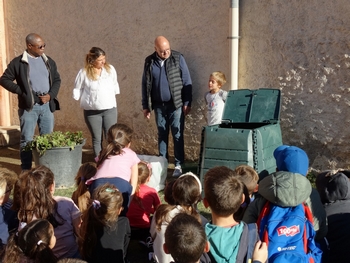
pixel 81 196
pixel 215 98
pixel 32 244
pixel 143 204
pixel 117 159
pixel 105 235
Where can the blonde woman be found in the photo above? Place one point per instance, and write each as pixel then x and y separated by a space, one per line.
pixel 96 86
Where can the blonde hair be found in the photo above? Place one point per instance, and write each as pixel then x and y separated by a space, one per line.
pixel 10 176
pixel 81 196
pixel 219 77
pixel 144 172
pixel 248 176
pixel 90 58
pixel 2 186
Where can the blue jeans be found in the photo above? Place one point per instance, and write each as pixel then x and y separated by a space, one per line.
pixel 95 121
pixel 40 115
pixel 168 117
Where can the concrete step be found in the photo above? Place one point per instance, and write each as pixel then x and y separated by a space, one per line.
pixel 9 135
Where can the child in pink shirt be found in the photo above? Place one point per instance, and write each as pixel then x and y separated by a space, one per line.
pixel 117 159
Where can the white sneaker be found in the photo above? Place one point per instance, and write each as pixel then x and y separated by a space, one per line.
pixel 177 171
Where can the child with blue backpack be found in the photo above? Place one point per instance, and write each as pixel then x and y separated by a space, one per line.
pixel 288 210
pixel 230 240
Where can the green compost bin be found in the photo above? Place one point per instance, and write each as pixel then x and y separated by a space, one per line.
pixel 248 134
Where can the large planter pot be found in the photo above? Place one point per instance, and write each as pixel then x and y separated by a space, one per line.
pixel 63 162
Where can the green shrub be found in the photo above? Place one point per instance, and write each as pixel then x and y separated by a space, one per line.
pixel 312 177
pixel 41 143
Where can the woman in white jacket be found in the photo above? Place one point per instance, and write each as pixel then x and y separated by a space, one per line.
pixel 96 86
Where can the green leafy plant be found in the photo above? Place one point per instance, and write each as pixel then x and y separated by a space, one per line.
pixel 41 143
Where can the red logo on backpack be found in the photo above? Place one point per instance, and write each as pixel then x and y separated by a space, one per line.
pixel 288 231
pixel 289 234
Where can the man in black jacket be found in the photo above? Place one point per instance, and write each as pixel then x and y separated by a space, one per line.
pixel 167 89
pixel 37 85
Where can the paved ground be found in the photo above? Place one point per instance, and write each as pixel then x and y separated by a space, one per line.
pixel 9 157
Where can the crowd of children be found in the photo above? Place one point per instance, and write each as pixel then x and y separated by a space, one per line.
pixel 96 225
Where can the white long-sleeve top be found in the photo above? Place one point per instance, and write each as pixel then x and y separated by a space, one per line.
pixel 97 94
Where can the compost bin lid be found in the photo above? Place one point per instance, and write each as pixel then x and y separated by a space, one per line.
pixel 258 106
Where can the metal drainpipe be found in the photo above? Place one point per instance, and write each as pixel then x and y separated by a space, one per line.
pixel 234 37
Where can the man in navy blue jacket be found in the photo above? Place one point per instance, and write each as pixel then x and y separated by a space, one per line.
pixel 167 89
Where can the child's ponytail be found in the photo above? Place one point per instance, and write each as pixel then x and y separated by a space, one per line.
pixel 44 254
pixel 118 137
pixel 102 212
pixel 144 172
pixel 162 215
pixel 81 196
pixel 113 148
pixel 13 252
pixel 32 242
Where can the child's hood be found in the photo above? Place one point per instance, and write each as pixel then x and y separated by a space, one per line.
pixel 224 241
pixel 333 186
pixel 285 189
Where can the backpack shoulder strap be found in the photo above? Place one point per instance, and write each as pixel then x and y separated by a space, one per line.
pixel 309 235
pixel 243 245
pixel 262 221
pixel 308 213
pixel 263 213
pixel 252 239
pixel 247 243
pixel 212 259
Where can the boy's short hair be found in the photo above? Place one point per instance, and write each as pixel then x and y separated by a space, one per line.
pixel 185 238
pixel 248 176
pixel 223 190
pixel 219 77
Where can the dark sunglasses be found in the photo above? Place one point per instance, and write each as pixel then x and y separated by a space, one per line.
pixel 39 47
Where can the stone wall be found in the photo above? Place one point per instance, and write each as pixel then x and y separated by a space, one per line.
pixel 300 47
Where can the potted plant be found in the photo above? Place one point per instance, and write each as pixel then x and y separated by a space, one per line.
pixel 59 151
